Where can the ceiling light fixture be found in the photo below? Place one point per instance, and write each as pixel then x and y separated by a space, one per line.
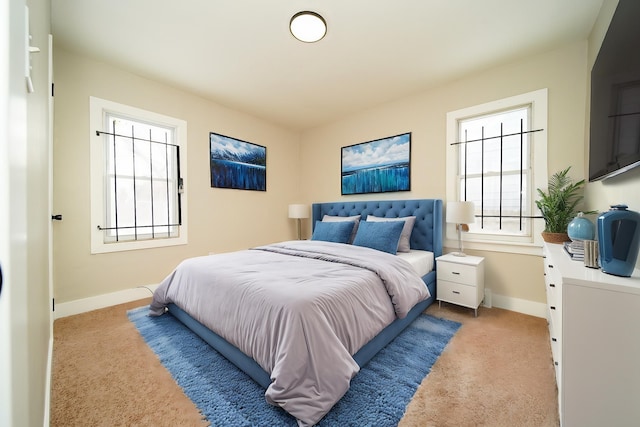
pixel 308 27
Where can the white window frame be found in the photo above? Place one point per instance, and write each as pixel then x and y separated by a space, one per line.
pixel 98 108
pixel 529 244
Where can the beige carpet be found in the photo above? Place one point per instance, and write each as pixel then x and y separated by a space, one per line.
pixel 496 371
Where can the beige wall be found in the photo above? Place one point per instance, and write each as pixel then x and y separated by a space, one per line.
pixel 306 168
pixel 219 220
pixel 562 71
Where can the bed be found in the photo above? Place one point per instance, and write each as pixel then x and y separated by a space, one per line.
pixel 304 352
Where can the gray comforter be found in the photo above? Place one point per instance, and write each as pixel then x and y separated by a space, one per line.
pixel 300 309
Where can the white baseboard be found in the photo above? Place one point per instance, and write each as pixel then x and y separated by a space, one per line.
pixel 524 306
pixel 101 301
pixel 70 308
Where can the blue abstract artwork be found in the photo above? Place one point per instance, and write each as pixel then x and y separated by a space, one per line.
pixel 379 166
pixel 237 164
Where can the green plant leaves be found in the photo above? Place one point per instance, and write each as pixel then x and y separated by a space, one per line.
pixel 558 205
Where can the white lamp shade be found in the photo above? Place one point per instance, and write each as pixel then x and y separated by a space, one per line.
pixel 298 211
pixel 461 212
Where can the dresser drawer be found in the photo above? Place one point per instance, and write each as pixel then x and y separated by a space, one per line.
pixel 457 293
pixel 552 295
pixel 551 275
pixel 555 350
pixel 459 273
pixel 556 318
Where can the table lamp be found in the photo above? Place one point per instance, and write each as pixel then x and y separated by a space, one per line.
pixel 460 213
pixel 298 211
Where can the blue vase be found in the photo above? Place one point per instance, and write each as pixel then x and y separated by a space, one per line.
pixel 580 228
pixel 618 240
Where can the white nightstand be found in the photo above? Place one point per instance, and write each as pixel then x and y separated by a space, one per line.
pixel 460 280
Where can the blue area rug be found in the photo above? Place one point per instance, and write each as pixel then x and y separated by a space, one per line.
pixel 226 396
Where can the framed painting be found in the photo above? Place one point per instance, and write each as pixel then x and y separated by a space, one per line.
pixel 379 166
pixel 237 164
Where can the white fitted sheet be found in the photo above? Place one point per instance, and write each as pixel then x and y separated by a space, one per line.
pixel 421 261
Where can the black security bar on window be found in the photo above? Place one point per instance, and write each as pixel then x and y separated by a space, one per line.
pixel 101 228
pixel 482 139
pixel 135 138
pixel 153 226
pixel 496 137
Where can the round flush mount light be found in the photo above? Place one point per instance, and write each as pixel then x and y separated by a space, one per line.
pixel 308 27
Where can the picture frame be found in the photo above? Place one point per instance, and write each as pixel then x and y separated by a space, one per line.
pixel 378 166
pixel 237 164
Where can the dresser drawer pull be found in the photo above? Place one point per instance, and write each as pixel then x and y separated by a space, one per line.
pixel 554 339
pixel 555 363
pixel 552 285
pixel 456 292
pixel 455 272
pixel 550 266
pixel 553 307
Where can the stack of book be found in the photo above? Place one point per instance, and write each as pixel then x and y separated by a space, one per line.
pixel 575 249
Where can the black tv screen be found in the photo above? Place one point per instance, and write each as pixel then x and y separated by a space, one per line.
pixel 614 141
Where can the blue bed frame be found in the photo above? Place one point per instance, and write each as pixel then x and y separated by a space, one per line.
pixel 426 235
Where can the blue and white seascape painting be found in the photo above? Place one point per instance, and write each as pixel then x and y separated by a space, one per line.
pixel 237 164
pixel 377 166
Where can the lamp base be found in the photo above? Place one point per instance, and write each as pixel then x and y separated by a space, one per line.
pixel 458 254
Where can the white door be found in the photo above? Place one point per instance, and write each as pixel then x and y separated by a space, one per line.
pixel 5 315
pixel 47 398
pixel 13 213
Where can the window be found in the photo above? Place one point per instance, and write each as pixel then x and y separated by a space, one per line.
pixel 137 192
pixel 496 158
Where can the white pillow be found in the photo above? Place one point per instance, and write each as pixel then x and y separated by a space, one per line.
pixel 404 244
pixel 355 218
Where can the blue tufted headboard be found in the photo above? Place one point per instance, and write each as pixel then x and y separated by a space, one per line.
pixel 427 231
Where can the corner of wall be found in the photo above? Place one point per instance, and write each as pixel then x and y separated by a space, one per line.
pixel 101 301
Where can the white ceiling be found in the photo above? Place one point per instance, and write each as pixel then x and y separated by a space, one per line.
pixel 239 53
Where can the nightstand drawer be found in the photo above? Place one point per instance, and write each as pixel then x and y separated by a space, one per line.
pixel 457 293
pixel 459 273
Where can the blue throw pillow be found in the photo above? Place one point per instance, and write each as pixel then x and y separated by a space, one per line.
pixel 338 232
pixel 383 236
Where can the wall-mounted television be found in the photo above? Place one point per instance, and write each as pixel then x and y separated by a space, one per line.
pixel 614 140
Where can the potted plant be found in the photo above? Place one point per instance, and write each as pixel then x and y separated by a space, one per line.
pixel 558 205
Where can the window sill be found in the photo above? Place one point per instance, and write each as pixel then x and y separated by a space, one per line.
pixel 98 247
pixel 533 249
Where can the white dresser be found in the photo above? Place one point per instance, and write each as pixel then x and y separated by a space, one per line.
pixel 594 327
